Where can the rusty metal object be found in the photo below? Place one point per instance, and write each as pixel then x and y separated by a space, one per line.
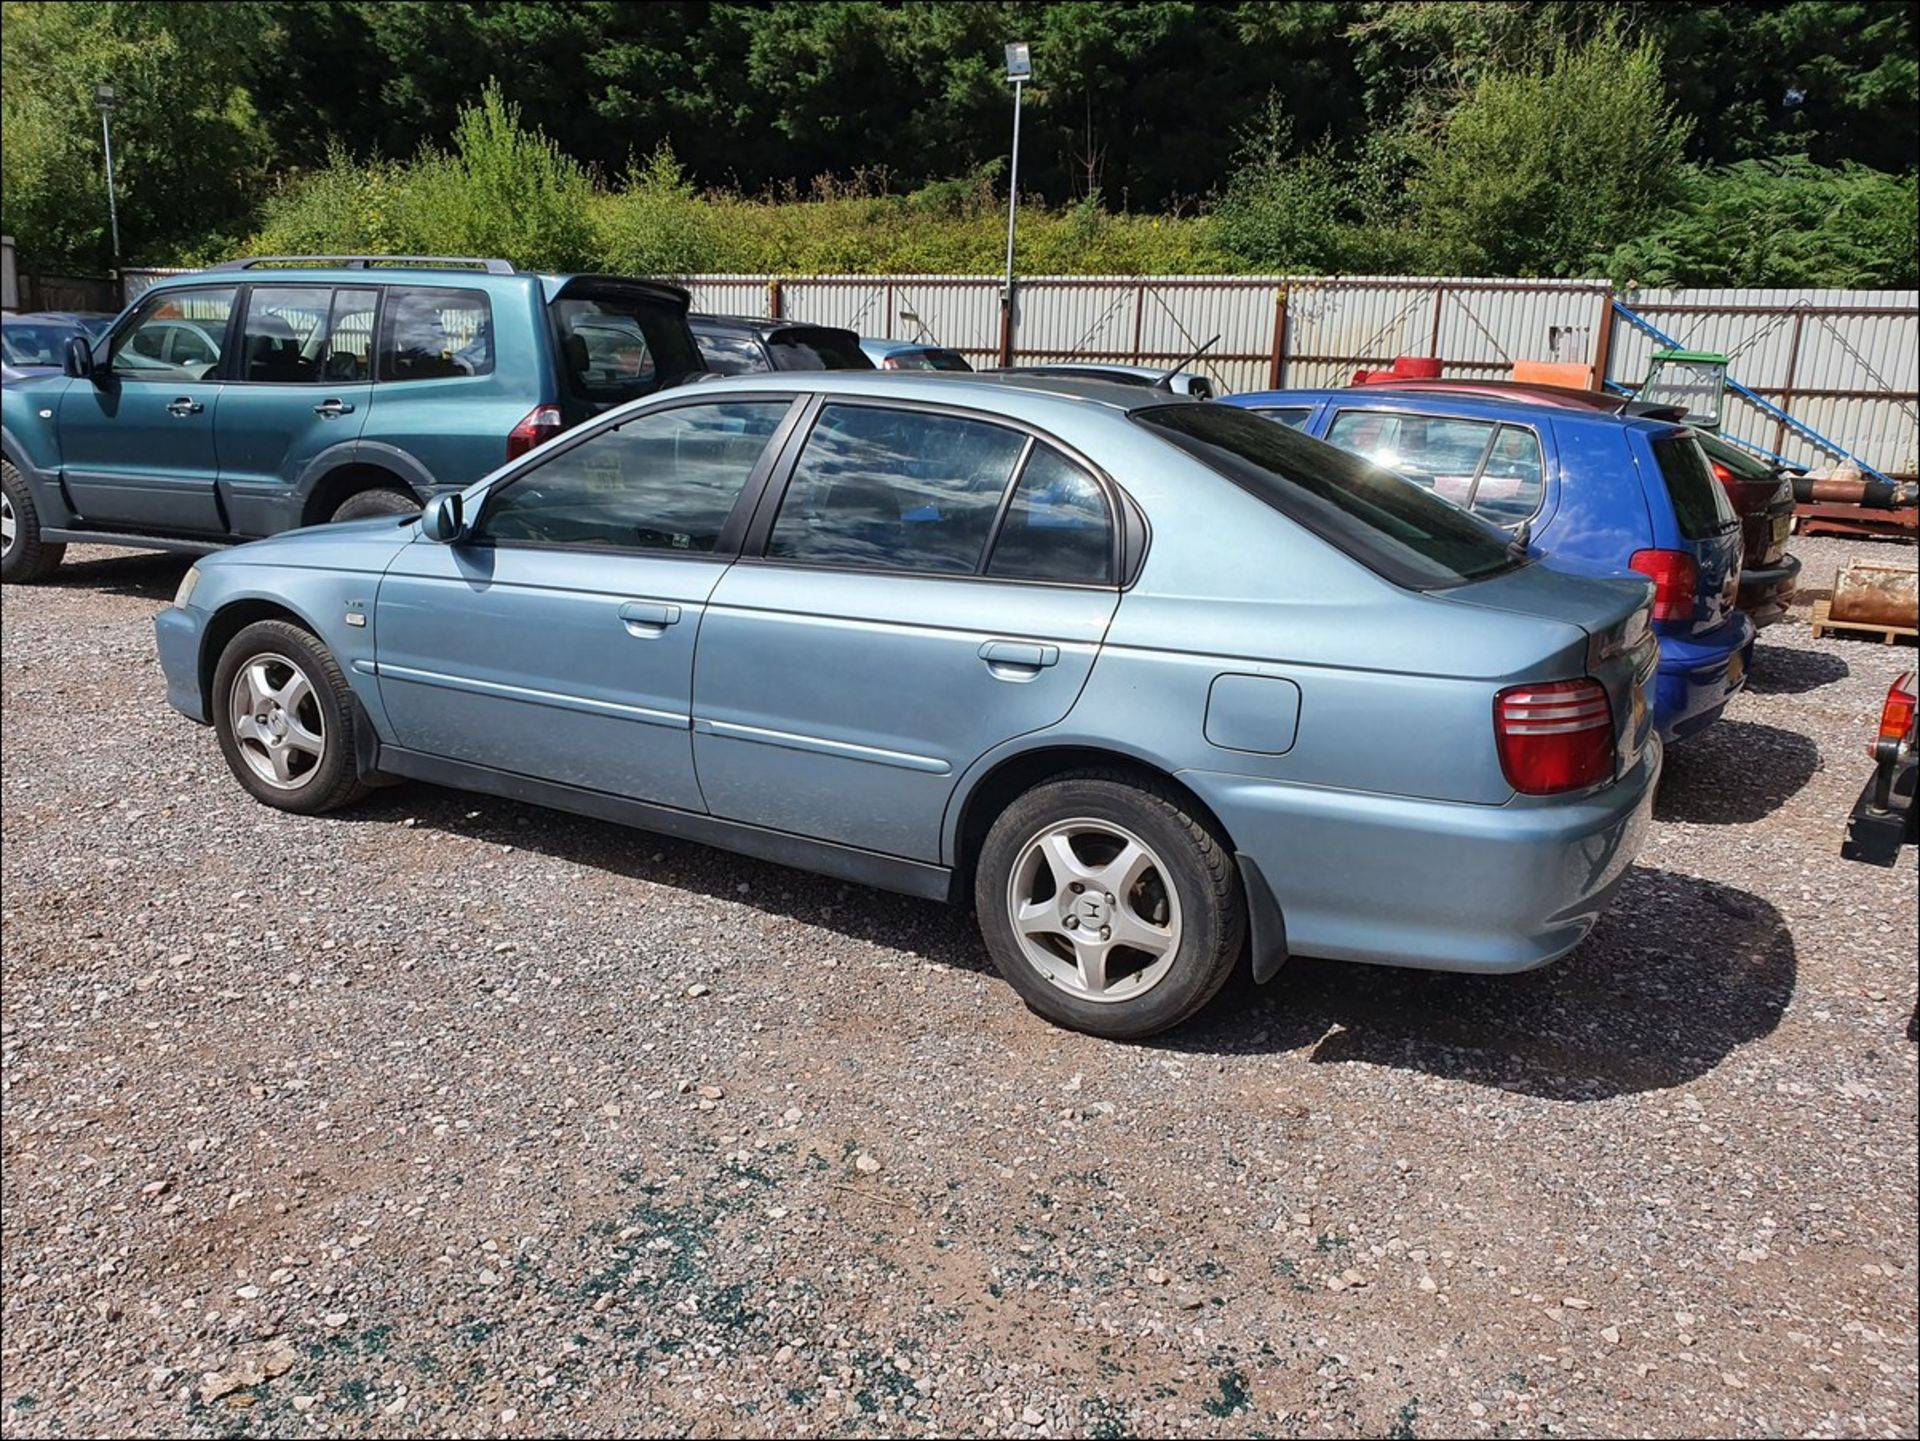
pixel 1835 490
pixel 1869 594
pixel 1860 521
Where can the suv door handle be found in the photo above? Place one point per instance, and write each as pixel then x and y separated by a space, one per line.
pixel 1018 659
pixel 185 405
pixel 645 619
pixel 331 408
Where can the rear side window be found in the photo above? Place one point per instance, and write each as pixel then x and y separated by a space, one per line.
pixel 732 354
pixel 1057 525
pixel 817 350
pixel 666 481
pixel 1699 503
pixel 885 489
pixel 435 333
pixel 1292 416
pixel 1491 469
pixel 616 347
pixel 304 334
pixel 1385 522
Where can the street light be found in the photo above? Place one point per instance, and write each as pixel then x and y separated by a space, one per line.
pixel 1019 71
pixel 106 100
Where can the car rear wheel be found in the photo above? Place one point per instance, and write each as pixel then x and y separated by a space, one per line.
pixel 1108 904
pixel 376 502
pixel 283 713
pixel 24 557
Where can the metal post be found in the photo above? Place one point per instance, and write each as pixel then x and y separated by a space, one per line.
pixel 113 210
pixel 1013 187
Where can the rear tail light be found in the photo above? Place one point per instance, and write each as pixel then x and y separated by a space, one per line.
pixel 541 423
pixel 1554 737
pixel 1675 578
pixel 1896 716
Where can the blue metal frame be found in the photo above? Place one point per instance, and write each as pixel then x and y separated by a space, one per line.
pixel 1753 398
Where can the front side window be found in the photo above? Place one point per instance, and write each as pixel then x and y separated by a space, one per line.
pixel 174 336
pixel 435 333
pixel 666 481
pixel 1385 522
pixel 888 489
pixel 1057 525
pixel 732 354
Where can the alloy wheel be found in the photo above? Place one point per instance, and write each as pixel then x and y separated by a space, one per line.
pixel 9 525
pixel 1093 910
pixel 278 726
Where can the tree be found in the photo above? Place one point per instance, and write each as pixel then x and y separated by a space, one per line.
pixel 1544 170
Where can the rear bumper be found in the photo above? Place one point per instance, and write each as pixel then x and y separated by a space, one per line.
pixel 1875 833
pixel 177 633
pixel 1698 675
pixel 1433 884
pixel 1765 593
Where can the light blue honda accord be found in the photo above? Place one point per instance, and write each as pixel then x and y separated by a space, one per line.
pixel 1154 684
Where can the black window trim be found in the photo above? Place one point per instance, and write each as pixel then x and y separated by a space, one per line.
pixel 726 545
pixel 103 347
pixel 1127 557
pixel 1539 439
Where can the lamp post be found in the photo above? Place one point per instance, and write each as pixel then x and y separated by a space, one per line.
pixel 1019 71
pixel 105 100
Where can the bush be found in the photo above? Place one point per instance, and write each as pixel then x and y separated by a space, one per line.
pixel 1783 223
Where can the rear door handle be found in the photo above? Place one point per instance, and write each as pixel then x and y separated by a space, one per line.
pixel 331 408
pixel 185 405
pixel 1018 659
pixel 648 618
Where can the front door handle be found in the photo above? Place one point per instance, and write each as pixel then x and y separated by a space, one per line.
pixel 331 408
pixel 185 405
pixel 1018 659
pixel 648 618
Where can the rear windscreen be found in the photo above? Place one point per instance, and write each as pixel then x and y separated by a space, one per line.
pixel 817 350
pixel 616 347
pixel 1387 523
pixel 1699 502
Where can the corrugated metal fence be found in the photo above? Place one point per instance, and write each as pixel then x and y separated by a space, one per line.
pixel 1846 362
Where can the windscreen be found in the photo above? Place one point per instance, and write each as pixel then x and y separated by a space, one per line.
pixel 615 347
pixel 1387 523
pixel 1699 501
pixel 817 350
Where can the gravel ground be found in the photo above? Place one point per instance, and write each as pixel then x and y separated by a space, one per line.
pixel 452 1115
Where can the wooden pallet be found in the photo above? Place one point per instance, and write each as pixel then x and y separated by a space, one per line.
pixel 1887 633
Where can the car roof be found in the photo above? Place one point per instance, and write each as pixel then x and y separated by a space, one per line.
pixel 551 284
pixel 1022 396
pixel 759 324
pixel 1452 402
pixel 896 347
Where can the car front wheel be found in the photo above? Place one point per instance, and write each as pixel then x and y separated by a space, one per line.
pixel 1108 904
pixel 283 713
pixel 24 557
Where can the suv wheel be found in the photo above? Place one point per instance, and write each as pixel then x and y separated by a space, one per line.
pixel 1108 905
pixel 376 502
pixel 283 712
pixel 24 557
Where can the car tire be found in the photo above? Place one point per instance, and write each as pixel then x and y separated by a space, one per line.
pixel 1146 867
pixel 284 716
pixel 367 503
pixel 24 557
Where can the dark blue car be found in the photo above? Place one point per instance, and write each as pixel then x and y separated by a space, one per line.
pixel 1601 492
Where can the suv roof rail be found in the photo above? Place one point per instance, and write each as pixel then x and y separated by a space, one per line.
pixel 368 262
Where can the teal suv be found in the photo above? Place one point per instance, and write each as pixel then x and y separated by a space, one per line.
pixel 266 394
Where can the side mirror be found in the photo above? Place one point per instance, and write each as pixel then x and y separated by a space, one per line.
pixel 78 360
pixel 444 519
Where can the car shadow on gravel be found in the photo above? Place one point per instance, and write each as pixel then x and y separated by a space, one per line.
pixel 1678 974
pixel 938 933
pixel 1785 670
pixel 143 575
pixel 1734 773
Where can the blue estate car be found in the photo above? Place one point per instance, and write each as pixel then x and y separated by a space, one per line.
pixel 1145 679
pixel 1599 492
pixel 279 391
